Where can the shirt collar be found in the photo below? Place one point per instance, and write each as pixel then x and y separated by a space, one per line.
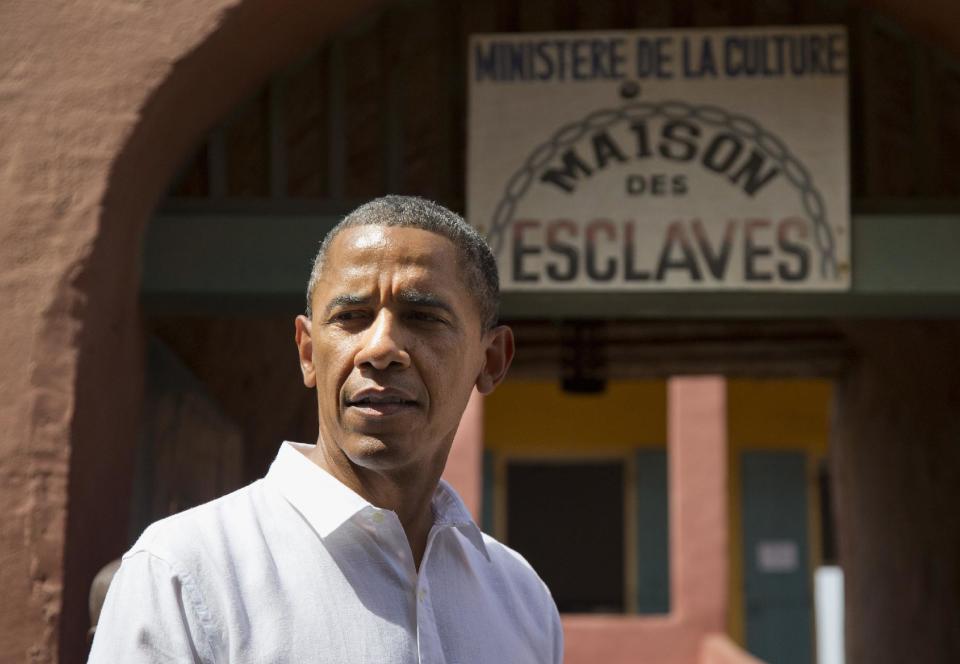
pixel 326 503
pixel 449 510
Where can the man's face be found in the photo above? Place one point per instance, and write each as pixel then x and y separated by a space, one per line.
pixel 395 347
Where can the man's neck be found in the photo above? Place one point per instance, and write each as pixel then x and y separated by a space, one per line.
pixel 408 494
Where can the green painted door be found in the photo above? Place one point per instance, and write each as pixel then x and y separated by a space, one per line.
pixel 652 532
pixel 776 568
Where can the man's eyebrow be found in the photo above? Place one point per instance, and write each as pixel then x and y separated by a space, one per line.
pixel 345 300
pixel 420 298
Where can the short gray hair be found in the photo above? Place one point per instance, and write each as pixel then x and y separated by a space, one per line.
pixel 479 269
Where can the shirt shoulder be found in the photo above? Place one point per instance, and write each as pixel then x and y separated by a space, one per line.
pixel 166 600
pixel 509 559
pixel 528 597
pixel 207 533
pixel 517 572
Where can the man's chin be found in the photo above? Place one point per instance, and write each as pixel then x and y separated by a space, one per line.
pixel 369 446
pixel 376 452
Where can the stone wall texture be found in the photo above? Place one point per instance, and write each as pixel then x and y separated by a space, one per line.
pixel 99 101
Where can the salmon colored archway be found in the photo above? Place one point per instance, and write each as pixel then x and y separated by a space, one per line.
pixel 99 104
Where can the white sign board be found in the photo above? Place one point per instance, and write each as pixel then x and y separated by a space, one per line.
pixel 778 556
pixel 668 160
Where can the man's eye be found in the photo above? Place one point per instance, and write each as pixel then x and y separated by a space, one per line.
pixel 347 316
pixel 426 317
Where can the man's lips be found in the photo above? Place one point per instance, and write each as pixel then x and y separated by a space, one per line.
pixel 380 401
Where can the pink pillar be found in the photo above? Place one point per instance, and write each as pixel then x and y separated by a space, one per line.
pixel 697 446
pixel 697 439
pixel 464 468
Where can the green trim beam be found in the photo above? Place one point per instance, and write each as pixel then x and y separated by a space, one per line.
pixel 258 262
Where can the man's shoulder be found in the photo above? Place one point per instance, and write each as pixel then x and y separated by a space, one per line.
pixel 516 571
pixel 205 531
pixel 509 559
pixel 525 598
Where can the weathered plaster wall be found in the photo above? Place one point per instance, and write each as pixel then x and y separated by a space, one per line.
pixel 94 100
pixel 896 453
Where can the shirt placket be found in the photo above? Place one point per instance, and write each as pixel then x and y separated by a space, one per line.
pixel 428 640
pixel 386 529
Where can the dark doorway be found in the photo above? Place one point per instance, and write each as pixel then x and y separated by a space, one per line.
pixel 567 521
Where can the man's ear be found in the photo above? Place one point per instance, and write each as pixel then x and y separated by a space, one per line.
pixel 305 350
pixel 499 355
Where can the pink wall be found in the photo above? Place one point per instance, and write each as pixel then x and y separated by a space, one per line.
pixel 719 649
pixel 464 469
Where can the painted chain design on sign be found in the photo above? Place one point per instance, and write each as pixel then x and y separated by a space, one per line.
pixel 740 125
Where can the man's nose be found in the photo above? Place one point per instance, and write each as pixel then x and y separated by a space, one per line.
pixel 382 345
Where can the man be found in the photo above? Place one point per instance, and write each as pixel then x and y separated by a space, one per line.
pixel 353 549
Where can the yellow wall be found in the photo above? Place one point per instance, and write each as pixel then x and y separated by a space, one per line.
pixel 779 414
pixel 538 417
pixel 763 414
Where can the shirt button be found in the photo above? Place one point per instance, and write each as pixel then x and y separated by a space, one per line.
pixel 422 595
pixel 378 517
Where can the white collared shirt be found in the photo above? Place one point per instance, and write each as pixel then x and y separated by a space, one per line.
pixel 296 567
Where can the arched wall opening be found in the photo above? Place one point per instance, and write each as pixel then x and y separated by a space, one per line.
pixel 243 44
